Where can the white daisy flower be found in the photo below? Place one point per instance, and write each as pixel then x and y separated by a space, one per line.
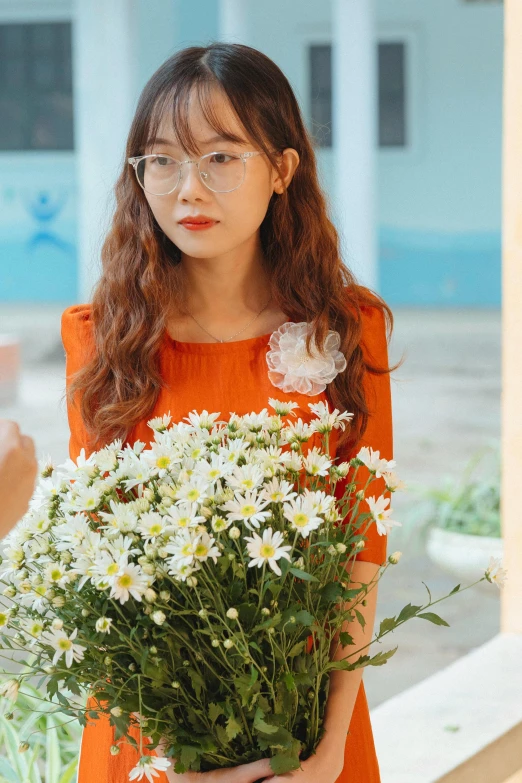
pixel 182 571
pixel 277 491
pixel 193 491
pixel 9 690
pixel 122 519
pixel 150 767
pixel 160 423
pixel 83 498
pixel 316 464
pixel 107 458
pixel 184 516
pixel 203 420
pixel 247 508
pixel 380 514
pixel 267 549
pixel 494 573
pixel 82 467
pixel 328 420
pixel 103 624
pixel 71 532
pixel 301 514
pixel 374 462
pixel 204 548
pixel 130 581
pixel 182 547
pixel 393 482
pixel 152 525
pixel 219 523
pixel 64 645
pixel 298 432
pixel 244 477
pixel 282 407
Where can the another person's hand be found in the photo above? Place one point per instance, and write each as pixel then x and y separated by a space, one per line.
pixel 18 469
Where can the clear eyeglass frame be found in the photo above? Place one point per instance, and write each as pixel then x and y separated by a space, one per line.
pixel 134 161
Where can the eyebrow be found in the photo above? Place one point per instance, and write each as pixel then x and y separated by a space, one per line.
pixel 203 143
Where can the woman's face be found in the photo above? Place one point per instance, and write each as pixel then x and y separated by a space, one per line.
pixel 239 212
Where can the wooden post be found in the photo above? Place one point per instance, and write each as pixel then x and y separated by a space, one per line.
pixel 511 421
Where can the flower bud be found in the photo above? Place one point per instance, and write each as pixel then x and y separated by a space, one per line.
pixel 234 532
pixel 117 712
pixel 114 749
pixel 158 617
pixel 150 595
pixel 232 613
pixel 228 643
pixel 57 624
pixel 165 595
pixel 23 746
pixel 175 684
pixel 394 558
pixel 192 581
pixel 203 613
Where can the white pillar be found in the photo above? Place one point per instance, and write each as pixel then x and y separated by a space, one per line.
pixel 104 53
pixel 233 25
pixel 511 440
pixel 354 134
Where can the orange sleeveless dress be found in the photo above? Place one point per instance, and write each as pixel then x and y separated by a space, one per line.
pixel 232 377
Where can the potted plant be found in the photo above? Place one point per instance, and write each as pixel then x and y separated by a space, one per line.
pixel 463 521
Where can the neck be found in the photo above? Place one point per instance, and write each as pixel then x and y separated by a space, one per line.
pixel 233 285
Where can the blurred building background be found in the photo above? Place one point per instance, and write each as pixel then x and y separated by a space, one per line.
pixel 435 83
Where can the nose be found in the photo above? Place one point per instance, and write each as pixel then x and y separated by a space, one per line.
pixel 190 184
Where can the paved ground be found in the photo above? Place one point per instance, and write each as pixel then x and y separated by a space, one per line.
pixel 446 406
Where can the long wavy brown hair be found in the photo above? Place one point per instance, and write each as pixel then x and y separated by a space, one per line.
pixel 141 271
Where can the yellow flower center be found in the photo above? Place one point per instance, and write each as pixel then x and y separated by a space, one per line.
pixel 201 550
pixel 125 580
pixel 56 574
pixel 248 483
pixel 155 529
pixel 193 494
pixel 267 550
pixel 3 619
pixel 64 644
pixel 186 549
pixel 300 519
pixel 112 569
pixel 248 510
pixel 163 462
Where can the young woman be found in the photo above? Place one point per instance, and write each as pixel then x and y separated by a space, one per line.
pixel 182 317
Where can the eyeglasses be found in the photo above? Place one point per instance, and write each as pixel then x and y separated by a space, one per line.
pixel 220 172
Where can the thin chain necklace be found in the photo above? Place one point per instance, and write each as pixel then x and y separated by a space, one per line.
pixel 234 335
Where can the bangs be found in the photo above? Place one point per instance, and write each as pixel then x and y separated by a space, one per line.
pixel 175 103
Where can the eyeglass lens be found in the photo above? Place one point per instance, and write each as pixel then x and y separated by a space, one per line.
pixel 220 171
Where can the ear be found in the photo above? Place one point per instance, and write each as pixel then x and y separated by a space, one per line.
pixel 289 163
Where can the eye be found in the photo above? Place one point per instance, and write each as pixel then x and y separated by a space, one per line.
pixel 162 161
pixel 218 157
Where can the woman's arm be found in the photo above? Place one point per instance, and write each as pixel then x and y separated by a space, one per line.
pixel 344 685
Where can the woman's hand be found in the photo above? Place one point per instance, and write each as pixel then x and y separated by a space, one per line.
pixel 243 773
pixel 18 469
pixel 324 766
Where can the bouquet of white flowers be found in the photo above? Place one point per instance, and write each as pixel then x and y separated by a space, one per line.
pixel 200 588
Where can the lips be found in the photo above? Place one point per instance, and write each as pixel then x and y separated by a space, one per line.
pixel 197 220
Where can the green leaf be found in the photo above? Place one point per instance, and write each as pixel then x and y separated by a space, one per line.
pixel 303 575
pixel 332 591
pixel 433 618
pixel 188 755
pixel 408 611
pixel 303 617
pixel 388 624
pixel 455 589
pixel 233 728
pixel 360 618
pixel 286 761
pixel 296 649
pixel 289 681
pixel 264 727
pixel 214 711
pixel 345 638
pixel 52 754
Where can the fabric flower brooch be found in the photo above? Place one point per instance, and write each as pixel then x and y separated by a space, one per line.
pixel 292 369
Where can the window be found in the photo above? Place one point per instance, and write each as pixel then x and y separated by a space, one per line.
pixel 36 87
pixel 321 94
pixel 392 109
pixel 392 94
